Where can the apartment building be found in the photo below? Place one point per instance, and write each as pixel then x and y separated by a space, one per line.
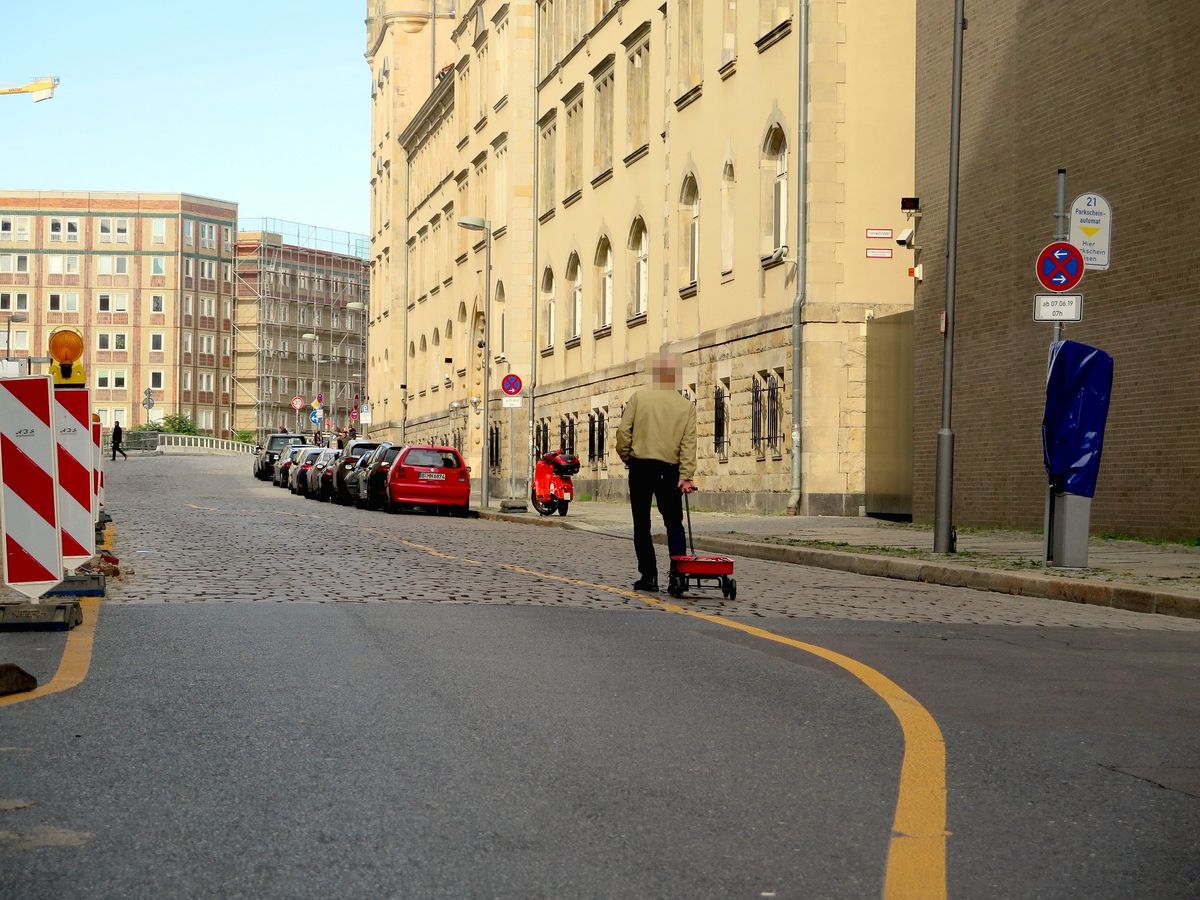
pixel 146 279
pixel 637 165
pixel 300 326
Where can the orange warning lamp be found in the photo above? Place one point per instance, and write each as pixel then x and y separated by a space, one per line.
pixel 66 347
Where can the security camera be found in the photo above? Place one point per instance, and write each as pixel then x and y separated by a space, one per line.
pixel 778 254
pixel 905 238
pixel 404 387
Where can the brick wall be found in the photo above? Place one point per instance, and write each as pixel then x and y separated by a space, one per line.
pixel 1109 91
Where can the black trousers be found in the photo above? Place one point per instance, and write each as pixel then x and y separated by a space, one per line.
pixel 653 478
pixel 117 449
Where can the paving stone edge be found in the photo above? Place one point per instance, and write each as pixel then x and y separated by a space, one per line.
pixel 1118 595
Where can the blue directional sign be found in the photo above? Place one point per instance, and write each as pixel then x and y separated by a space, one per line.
pixel 315 417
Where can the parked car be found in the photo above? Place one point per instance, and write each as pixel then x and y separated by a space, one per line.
pixel 373 481
pixel 354 451
pixel 283 465
pixel 298 474
pixel 320 478
pixel 429 476
pixel 268 453
pixel 356 480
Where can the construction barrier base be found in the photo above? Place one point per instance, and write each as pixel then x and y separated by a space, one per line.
pixel 66 613
pixel 78 586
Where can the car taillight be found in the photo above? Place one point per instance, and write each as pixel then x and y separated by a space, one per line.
pixel 462 477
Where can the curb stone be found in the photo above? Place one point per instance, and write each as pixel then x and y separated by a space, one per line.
pixel 1114 594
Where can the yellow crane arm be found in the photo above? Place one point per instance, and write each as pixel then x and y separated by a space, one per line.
pixel 41 88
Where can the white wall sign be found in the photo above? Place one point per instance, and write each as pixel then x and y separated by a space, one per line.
pixel 1058 308
pixel 1091 230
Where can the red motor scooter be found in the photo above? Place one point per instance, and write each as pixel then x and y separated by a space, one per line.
pixel 553 489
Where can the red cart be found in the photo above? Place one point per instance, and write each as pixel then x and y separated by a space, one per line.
pixel 693 570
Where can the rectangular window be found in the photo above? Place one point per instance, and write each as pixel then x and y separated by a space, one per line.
pixel 604 122
pixel 106 231
pixel 14 302
pixel 207 306
pixel 71 265
pixel 112 265
pixel 208 269
pixel 158 231
pixel 54 264
pixel 227 237
pixel 119 341
pixel 118 382
pixel 64 230
pixel 15 228
pixel 103 340
pixel 187 380
pixel 208 235
pixel 156 380
pixel 157 303
pixel 574 147
pixel 156 342
pixel 104 302
pixel 187 342
pixel 638 119
pixel 546 159
pixel 227 272
pixel 103 378
pixel 121 227
pixel 158 265
pixel 188 267
pixel 189 231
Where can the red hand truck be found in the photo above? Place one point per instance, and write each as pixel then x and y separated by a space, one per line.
pixel 693 570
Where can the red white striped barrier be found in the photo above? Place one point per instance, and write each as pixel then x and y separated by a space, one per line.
pixel 29 486
pixel 97 469
pixel 73 425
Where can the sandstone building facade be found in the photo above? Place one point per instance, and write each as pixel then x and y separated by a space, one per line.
pixel 638 166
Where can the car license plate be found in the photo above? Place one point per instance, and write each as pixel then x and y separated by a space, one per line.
pixel 431 476
pixel 566 495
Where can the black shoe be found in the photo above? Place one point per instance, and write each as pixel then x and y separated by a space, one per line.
pixel 649 585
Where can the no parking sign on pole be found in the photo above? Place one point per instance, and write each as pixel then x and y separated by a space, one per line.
pixel 29 523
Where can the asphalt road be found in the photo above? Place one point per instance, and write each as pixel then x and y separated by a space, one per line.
pixel 292 699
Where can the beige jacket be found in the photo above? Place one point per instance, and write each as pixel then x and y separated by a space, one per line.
pixel 659 424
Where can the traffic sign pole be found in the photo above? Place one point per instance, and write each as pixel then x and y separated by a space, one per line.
pixel 1060 234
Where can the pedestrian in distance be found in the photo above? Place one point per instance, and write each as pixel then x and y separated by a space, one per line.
pixel 657 441
pixel 117 434
pixel 352 434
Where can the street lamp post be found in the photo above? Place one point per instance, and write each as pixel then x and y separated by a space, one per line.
pixel 18 318
pixel 477 223
pixel 316 351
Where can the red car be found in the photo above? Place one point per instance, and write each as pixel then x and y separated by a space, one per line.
pixel 429 476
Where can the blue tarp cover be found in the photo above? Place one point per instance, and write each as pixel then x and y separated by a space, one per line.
pixel 1078 388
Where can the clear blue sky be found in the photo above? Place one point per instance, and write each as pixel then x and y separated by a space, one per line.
pixel 263 102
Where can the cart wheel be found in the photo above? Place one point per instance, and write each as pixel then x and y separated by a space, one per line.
pixel 732 589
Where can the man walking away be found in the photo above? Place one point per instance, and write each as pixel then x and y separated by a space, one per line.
pixel 117 434
pixel 657 441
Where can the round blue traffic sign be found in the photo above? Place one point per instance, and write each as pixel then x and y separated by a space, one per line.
pixel 1060 266
pixel 511 384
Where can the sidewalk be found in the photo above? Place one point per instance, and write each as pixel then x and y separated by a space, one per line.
pixel 1132 575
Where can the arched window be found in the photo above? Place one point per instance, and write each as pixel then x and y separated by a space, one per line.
pixel 639 253
pixel 548 322
pixel 775 187
pixel 575 280
pixel 689 227
pixel 604 283
pixel 727 228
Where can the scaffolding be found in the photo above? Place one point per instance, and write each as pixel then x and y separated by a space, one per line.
pixel 300 327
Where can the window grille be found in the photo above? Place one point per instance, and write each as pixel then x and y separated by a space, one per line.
pixel 756 416
pixel 774 431
pixel 494 447
pixel 601 424
pixel 720 424
pixel 570 444
pixel 592 438
pixel 562 433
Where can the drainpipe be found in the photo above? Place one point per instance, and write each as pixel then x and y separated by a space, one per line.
pixel 795 502
pixel 404 300
pixel 533 299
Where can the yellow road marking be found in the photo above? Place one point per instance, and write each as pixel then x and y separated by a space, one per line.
pixel 76 657
pixel 916 865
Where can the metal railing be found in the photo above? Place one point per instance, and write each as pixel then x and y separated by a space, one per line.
pixel 152 441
